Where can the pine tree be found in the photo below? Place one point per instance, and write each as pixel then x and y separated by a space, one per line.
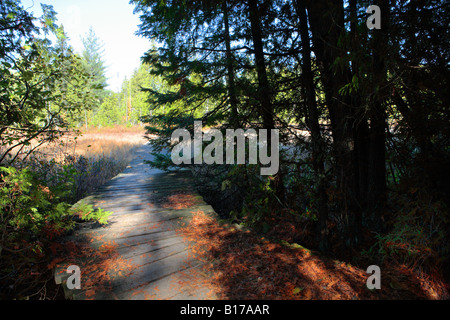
pixel 94 63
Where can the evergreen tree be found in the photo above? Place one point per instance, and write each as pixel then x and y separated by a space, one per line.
pixel 93 62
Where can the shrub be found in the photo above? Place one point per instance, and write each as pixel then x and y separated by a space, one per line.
pixel 32 216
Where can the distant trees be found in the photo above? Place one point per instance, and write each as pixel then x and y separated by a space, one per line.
pixel 92 57
pixel 93 62
pixel 131 103
pixel 108 108
pixel 108 113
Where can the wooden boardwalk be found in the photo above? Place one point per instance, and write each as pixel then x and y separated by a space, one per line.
pixel 143 229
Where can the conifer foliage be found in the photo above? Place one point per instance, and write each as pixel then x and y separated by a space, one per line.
pixel 366 109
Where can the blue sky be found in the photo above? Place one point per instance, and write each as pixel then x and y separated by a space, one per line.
pixel 113 22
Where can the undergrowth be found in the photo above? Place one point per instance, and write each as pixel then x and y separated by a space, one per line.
pixel 36 198
pixel 33 215
pixel 414 240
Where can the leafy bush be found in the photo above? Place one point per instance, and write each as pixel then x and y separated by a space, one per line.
pixel 32 216
pixel 87 213
pixel 28 206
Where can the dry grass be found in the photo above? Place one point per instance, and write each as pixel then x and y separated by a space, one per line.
pixel 115 142
pixel 115 145
pixel 96 157
pixel 102 154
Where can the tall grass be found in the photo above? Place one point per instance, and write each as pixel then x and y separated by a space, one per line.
pixel 99 155
pixel 88 160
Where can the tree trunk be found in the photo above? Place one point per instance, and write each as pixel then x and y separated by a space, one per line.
pixel 314 126
pixel 263 83
pixel 377 162
pixel 327 23
pixel 266 107
pixel 230 69
pixel 360 125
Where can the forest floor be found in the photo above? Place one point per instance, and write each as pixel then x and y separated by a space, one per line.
pixel 243 264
